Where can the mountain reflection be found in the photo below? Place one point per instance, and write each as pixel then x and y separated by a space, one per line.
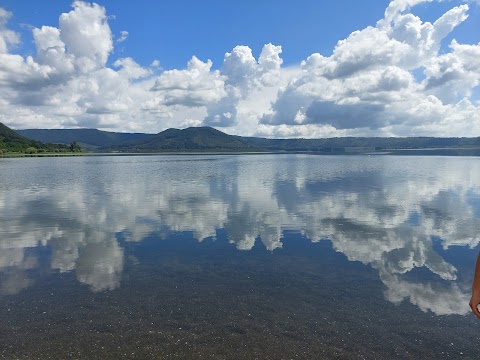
pixel 386 212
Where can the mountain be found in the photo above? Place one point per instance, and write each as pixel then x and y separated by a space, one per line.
pixel 190 139
pixel 209 139
pixel 90 139
pixel 12 142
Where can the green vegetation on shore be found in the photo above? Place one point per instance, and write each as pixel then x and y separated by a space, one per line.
pixel 13 143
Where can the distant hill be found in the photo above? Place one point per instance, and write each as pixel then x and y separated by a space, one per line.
pixel 90 139
pixel 12 142
pixel 335 145
pixel 190 139
pixel 209 139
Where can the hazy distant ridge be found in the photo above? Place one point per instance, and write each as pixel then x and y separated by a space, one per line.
pixel 88 138
pixel 210 139
pixel 379 143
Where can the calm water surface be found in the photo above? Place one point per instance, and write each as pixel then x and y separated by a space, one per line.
pixel 268 256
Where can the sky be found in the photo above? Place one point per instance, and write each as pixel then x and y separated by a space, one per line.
pixel 306 69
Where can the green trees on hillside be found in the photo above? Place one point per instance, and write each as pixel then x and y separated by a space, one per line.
pixel 74 147
pixel 11 142
pixel 31 150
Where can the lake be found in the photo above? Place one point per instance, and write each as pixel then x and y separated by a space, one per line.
pixel 238 256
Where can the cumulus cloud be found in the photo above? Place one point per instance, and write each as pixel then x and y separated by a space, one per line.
pixel 220 91
pixel 243 74
pixel 86 33
pixel 195 86
pixel 369 85
pixel 452 76
pixel 67 83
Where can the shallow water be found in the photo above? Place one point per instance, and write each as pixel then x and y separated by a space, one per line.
pixel 238 256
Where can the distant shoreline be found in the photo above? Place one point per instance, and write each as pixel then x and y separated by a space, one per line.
pixel 454 151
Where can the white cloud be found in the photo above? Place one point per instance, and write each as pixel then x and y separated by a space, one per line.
pixel 368 86
pixel 7 37
pixel 123 36
pixel 131 69
pixel 243 74
pixel 195 86
pixel 453 75
pixel 86 34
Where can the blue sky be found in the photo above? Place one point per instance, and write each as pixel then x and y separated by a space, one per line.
pixel 241 95
pixel 173 31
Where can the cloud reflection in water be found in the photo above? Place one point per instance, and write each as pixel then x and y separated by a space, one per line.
pixel 381 211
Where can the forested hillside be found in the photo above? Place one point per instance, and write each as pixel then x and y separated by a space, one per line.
pixel 210 139
pixel 90 139
pixel 190 139
pixel 11 142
